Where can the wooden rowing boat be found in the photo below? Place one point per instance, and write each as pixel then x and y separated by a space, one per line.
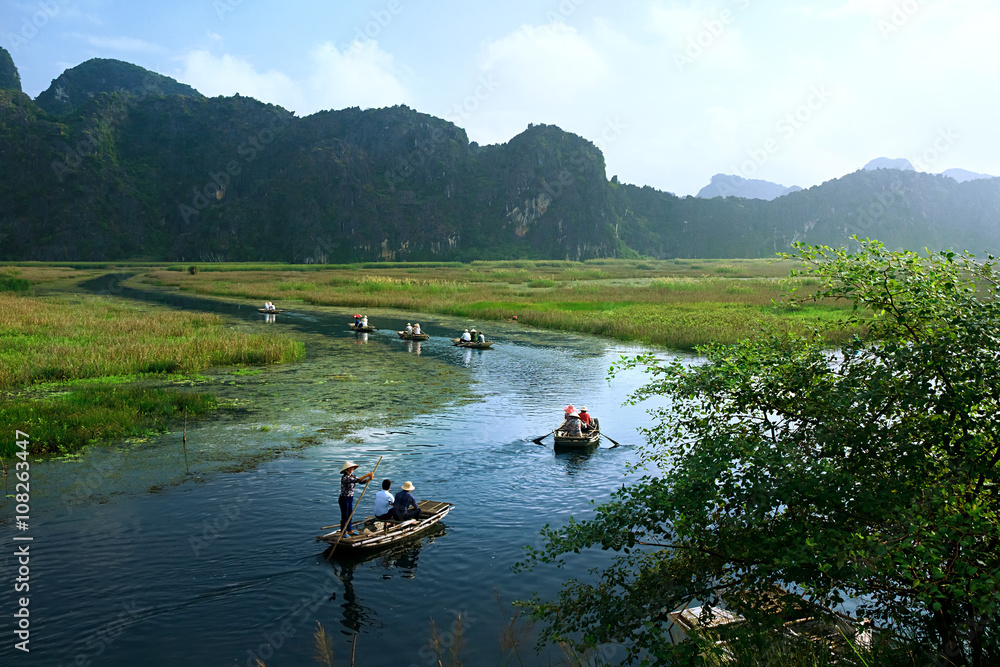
pixel 587 440
pixel 413 336
pixel 368 329
pixel 475 346
pixel 373 534
pixel 269 312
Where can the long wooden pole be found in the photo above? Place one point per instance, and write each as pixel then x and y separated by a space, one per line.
pixel 353 510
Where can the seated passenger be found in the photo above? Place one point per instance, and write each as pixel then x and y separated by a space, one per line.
pixel 586 421
pixel 409 328
pixel 571 426
pixel 416 329
pixel 466 337
pixel 384 501
pixel 401 506
pixel 482 338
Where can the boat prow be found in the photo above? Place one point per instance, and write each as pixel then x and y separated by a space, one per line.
pixel 374 534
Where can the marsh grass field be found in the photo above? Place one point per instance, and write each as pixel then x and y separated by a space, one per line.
pixel 678 304
pixel 83 369
pixel 75 369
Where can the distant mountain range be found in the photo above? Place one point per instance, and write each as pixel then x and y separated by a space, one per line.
pixel 113 162
pixel 726 185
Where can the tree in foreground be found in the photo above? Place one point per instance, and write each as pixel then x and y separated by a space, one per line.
pixel 867 473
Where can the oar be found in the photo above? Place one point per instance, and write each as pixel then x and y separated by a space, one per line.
pixel 353 510
pixel 610 438
pixel 539 439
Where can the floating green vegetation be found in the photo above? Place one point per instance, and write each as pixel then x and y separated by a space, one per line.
pixel 64 423
pixel 246 371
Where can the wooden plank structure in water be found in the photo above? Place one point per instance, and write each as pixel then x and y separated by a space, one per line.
pixel 373 534
pixel 413 336
pixel 795 619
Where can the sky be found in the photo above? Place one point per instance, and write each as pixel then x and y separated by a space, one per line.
pixel 672 92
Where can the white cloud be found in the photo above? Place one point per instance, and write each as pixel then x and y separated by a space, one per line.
pixel 129 44
pixel 547 62
pixel 869 8
pixel 707 33
pixel 360 75
pixel 227 75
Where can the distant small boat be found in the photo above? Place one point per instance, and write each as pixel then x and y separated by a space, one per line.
pixel 475 346
pixel 361 329
pixel 413 336
pixel 375 534
pixel 587 440
pixel 270 312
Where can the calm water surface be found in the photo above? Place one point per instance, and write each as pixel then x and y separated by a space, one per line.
pixel 221 568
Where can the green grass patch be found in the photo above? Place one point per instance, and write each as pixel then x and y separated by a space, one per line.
pixel 57 340
pixel 67 422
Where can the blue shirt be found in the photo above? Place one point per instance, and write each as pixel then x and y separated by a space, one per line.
pixel 383 502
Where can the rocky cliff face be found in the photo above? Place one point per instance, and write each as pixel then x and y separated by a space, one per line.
pixel 10 79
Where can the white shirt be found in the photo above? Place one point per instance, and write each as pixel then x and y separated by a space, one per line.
pixel 467 337
pixel 383 501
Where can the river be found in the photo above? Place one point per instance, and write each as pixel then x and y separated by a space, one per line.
pixel 160 553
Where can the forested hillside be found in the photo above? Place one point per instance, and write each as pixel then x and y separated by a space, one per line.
pixel 114 162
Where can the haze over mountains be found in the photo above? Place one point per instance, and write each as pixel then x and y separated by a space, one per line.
pixel 727 185
pixel 115 162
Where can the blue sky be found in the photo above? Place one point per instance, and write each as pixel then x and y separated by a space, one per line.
pixel 794 92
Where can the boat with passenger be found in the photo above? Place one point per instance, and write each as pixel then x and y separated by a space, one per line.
pixel 589 438
pixel 375 534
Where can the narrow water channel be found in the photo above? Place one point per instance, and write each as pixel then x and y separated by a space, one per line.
pixel 219 566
